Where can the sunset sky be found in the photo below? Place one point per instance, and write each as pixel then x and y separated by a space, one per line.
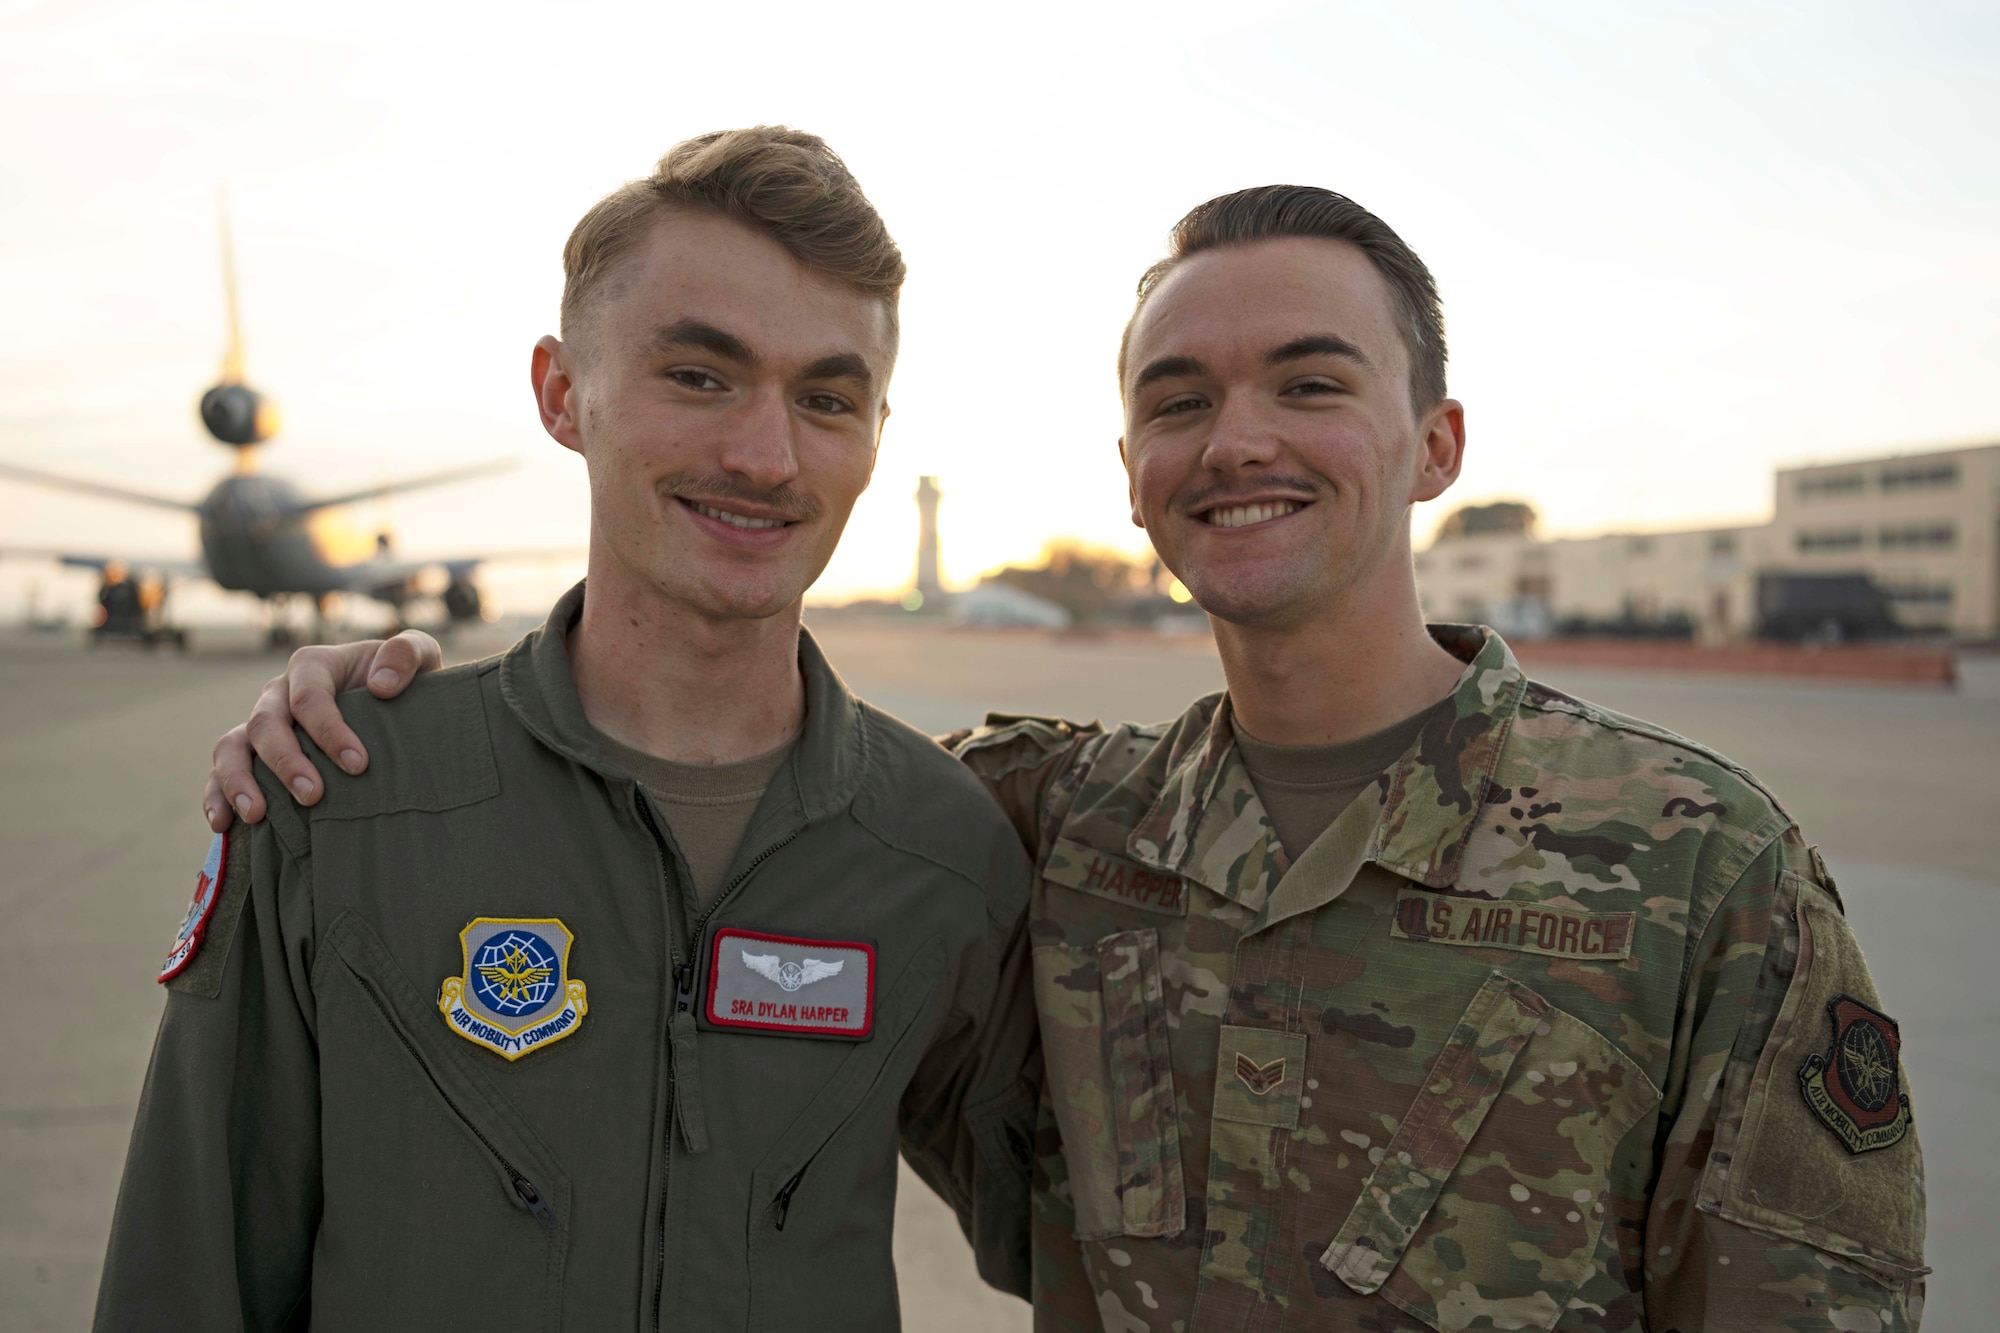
pixel 1679 244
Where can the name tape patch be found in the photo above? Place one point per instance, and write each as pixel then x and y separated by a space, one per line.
pixel 1556 932
pixel 1076 866
pixel 194 926
pixel 766 982
pixel 516 994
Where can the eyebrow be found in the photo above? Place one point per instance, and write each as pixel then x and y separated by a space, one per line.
pixel 705 337
pixel 1170 367
pixel 841 366
pixel 1318 344
pixel 720 342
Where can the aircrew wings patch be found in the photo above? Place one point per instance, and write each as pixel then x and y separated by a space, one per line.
pixel 194 926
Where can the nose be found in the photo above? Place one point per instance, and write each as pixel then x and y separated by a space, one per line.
pixel 1239 438
pixel 761 447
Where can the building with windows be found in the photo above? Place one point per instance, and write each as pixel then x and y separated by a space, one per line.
pixel 1924 527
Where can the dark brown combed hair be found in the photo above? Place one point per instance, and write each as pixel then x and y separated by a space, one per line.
pixel 782 182
pixel 1268 212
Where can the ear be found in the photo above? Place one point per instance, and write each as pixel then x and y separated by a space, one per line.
pixel 551 372
pixel 1442 453
pixel 1131 485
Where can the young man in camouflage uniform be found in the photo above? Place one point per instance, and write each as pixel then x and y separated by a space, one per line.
pixel 1389 989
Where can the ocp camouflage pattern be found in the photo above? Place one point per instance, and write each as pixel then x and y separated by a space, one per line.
pixel 1513 1045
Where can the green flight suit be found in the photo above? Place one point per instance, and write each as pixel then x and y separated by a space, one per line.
pixel 1560 1025
pixel 319 1142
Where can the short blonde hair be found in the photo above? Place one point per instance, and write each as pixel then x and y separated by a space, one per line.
pixel 784 183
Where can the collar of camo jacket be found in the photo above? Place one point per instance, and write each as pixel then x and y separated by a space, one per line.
pixel 1418 830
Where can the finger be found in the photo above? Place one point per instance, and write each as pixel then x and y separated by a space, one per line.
pixel 215 805
pixel 270 735
pixel 401 660
pixel 232 776
pixel 311 680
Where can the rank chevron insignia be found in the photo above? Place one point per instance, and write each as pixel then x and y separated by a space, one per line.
pixel 1260 1079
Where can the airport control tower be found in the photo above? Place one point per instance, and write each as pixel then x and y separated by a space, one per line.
pixel 928 586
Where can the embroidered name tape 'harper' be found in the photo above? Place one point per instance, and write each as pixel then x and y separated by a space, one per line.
pixel 787 984
pixel 194 926
pixel 516 994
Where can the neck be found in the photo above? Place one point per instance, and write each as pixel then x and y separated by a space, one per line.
pixel 668 681
pixel 1353 668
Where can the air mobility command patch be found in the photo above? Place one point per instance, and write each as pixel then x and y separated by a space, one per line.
pixel 194 926
pixel 1855 1087
pixel 516 994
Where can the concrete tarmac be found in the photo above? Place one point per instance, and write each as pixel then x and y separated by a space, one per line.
pixel 102 754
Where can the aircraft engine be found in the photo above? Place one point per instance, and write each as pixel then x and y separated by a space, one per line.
pixel 238 415
pixel 462 602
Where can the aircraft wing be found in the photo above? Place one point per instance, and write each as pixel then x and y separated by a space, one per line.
pixel 171 570
pixel 411 484
pixel 103 490
pixel 393 580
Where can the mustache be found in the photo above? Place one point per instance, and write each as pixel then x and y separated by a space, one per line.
pixel 1221 493
pixel 716 489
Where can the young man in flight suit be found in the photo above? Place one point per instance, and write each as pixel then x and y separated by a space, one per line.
pixel 1391 990
pixel 605 1002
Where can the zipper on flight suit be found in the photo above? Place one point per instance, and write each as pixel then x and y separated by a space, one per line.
pixel 683 973
pixel 524 1189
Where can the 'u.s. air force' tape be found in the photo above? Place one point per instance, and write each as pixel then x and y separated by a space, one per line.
pixel 762 981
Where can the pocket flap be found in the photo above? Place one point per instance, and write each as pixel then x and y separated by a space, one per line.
pixel 1463 1083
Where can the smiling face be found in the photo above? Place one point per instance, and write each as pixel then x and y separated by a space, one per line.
pixel 728 402
pixel 1271 446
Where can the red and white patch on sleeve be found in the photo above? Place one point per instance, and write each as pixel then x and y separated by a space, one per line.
pixel 787 984
pixel 207 892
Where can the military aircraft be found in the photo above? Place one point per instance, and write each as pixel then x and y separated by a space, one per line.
pixel 259 533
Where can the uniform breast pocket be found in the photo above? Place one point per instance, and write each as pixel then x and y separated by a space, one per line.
pixel 1490 1200
pixel 1111 1081
pixel 412 1130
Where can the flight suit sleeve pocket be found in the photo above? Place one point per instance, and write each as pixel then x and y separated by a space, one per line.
pixel 1464 1082
pixel 1816 1142
pixel 1104 1035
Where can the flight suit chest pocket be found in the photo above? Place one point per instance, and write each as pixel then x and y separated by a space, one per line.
pixel 1104 1038
pixel 1506 1152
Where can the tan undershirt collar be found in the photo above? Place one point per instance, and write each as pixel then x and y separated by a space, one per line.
pixel 708 807
pixel 1305 787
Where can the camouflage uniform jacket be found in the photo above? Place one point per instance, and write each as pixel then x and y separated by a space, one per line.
pixel 1525 1040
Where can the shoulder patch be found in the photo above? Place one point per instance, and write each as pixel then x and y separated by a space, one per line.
pixel 201 948
pixel 1856 1087
pixel 194 925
